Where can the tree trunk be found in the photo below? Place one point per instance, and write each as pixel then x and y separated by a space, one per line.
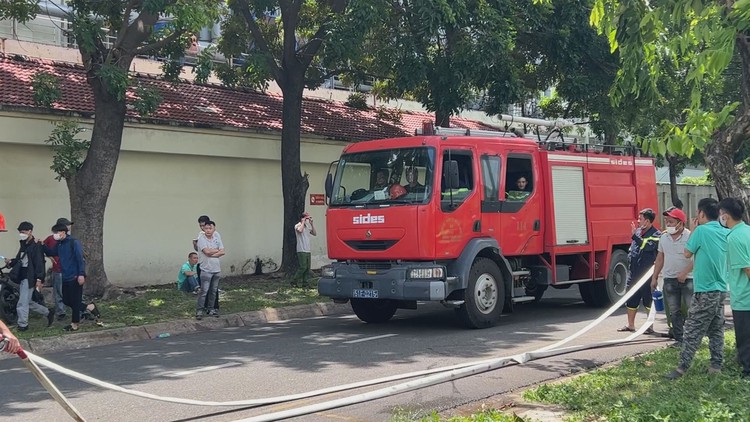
pixel 442 119
pixel 89 188
pixel 293 184
pixel 725 143
pixel 672 161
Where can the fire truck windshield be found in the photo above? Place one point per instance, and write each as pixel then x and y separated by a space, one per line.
pixel 394 176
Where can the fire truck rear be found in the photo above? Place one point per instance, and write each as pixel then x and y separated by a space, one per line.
pixel 479 223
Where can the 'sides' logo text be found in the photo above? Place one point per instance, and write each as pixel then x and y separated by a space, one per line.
pixel 369 219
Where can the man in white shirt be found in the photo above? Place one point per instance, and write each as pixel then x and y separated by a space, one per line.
pixel 675 268
pixel 304 229
pixel 210 249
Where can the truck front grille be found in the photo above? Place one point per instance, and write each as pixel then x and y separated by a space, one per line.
pixel 370 245
pixel 374 265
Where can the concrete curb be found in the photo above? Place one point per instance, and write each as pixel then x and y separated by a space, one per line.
pixel 78 341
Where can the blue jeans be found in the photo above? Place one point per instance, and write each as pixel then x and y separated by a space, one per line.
pixel 190 284
pixel 57 293
pixel 25 304
pixel 209 289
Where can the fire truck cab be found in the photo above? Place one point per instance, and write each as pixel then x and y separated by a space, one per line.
pixel 479 223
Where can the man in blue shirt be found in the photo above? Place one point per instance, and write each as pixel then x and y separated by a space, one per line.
pixel 70 252
pixel 708 247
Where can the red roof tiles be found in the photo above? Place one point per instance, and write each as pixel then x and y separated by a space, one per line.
pixel 211 105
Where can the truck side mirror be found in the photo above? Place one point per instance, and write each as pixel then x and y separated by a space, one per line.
pixel 329 185
pixel 450 174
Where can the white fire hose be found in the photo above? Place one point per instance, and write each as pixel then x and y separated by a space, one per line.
pixel 429 377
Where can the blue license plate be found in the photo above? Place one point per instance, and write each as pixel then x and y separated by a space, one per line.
pixel 365 293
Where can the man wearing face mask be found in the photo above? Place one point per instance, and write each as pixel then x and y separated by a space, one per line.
pixel 30 275
pixel 738 261
pixel 70 252
pixel 675 268
pixel 50 242
pixel 708 243
pixel 642 255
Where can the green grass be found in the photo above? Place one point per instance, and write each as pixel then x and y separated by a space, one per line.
pixel 489 415
pixel 164 303
pixel 636 390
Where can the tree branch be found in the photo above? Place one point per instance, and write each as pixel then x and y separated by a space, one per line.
pixel 260 40
pixel 125 23
pixel 146 49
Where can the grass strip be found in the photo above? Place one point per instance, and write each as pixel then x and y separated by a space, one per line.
pixel 141 306
pixel 636 390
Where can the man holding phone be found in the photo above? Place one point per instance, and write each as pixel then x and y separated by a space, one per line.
pixel 304 229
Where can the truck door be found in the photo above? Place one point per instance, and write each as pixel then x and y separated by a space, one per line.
pixel 521 213
pixel 458 218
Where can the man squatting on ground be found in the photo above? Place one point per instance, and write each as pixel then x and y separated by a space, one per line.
pixel 707 246
pixel 676 269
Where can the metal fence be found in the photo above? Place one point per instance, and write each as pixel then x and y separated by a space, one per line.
pixel 688 194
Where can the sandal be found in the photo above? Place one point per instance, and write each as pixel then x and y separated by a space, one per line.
pixel 649 330
pixel 70 328
pixel 626 328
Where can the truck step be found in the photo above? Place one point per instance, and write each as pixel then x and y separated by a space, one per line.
pixel 522 299
pixel 520 273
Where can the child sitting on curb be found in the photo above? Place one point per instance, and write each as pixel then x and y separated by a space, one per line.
pixel 187 280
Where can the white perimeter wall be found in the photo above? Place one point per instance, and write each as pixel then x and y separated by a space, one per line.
pixel 166 177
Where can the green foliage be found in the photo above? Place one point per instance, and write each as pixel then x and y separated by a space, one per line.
pixel 440 52
pixel 115 79
pixel 670 46
pixel 488 415
pixel 389 114
pixel 68 151
pixel 146 100
pixel 20 10
pixel 357 100
pixel 46 89
pixel 699 181
pixel 636 390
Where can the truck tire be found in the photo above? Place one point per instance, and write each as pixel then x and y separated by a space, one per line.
pixel 484 297
pixel 602 293
pixel 374 311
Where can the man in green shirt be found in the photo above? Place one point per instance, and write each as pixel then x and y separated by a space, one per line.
pixel 708 246
pixel 731 211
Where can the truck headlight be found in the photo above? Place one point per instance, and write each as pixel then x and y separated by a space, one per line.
pixel 427 273
pixel 327 271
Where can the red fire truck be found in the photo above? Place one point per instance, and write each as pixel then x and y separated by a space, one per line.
pixel 479 223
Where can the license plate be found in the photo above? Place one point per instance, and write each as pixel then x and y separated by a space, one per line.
pixel 365 293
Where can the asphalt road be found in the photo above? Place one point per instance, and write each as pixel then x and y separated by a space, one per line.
pixel 302 355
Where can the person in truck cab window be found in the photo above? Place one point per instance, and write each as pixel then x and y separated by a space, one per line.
pixel 412 177
pixel 521 192
pixel 381 180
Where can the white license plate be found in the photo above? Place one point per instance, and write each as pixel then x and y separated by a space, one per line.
pixel 365 293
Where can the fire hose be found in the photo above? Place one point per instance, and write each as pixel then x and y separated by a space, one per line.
pixel 428 377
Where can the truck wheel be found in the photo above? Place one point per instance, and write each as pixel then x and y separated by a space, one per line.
pixel 603 293
pixel 374 311
pixel 484 296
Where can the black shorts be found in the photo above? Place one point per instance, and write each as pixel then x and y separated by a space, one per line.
pixel 642 295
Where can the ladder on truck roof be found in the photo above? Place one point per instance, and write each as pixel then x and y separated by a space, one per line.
pixel 554 140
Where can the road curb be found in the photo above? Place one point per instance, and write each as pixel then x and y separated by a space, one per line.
pixel 78 341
